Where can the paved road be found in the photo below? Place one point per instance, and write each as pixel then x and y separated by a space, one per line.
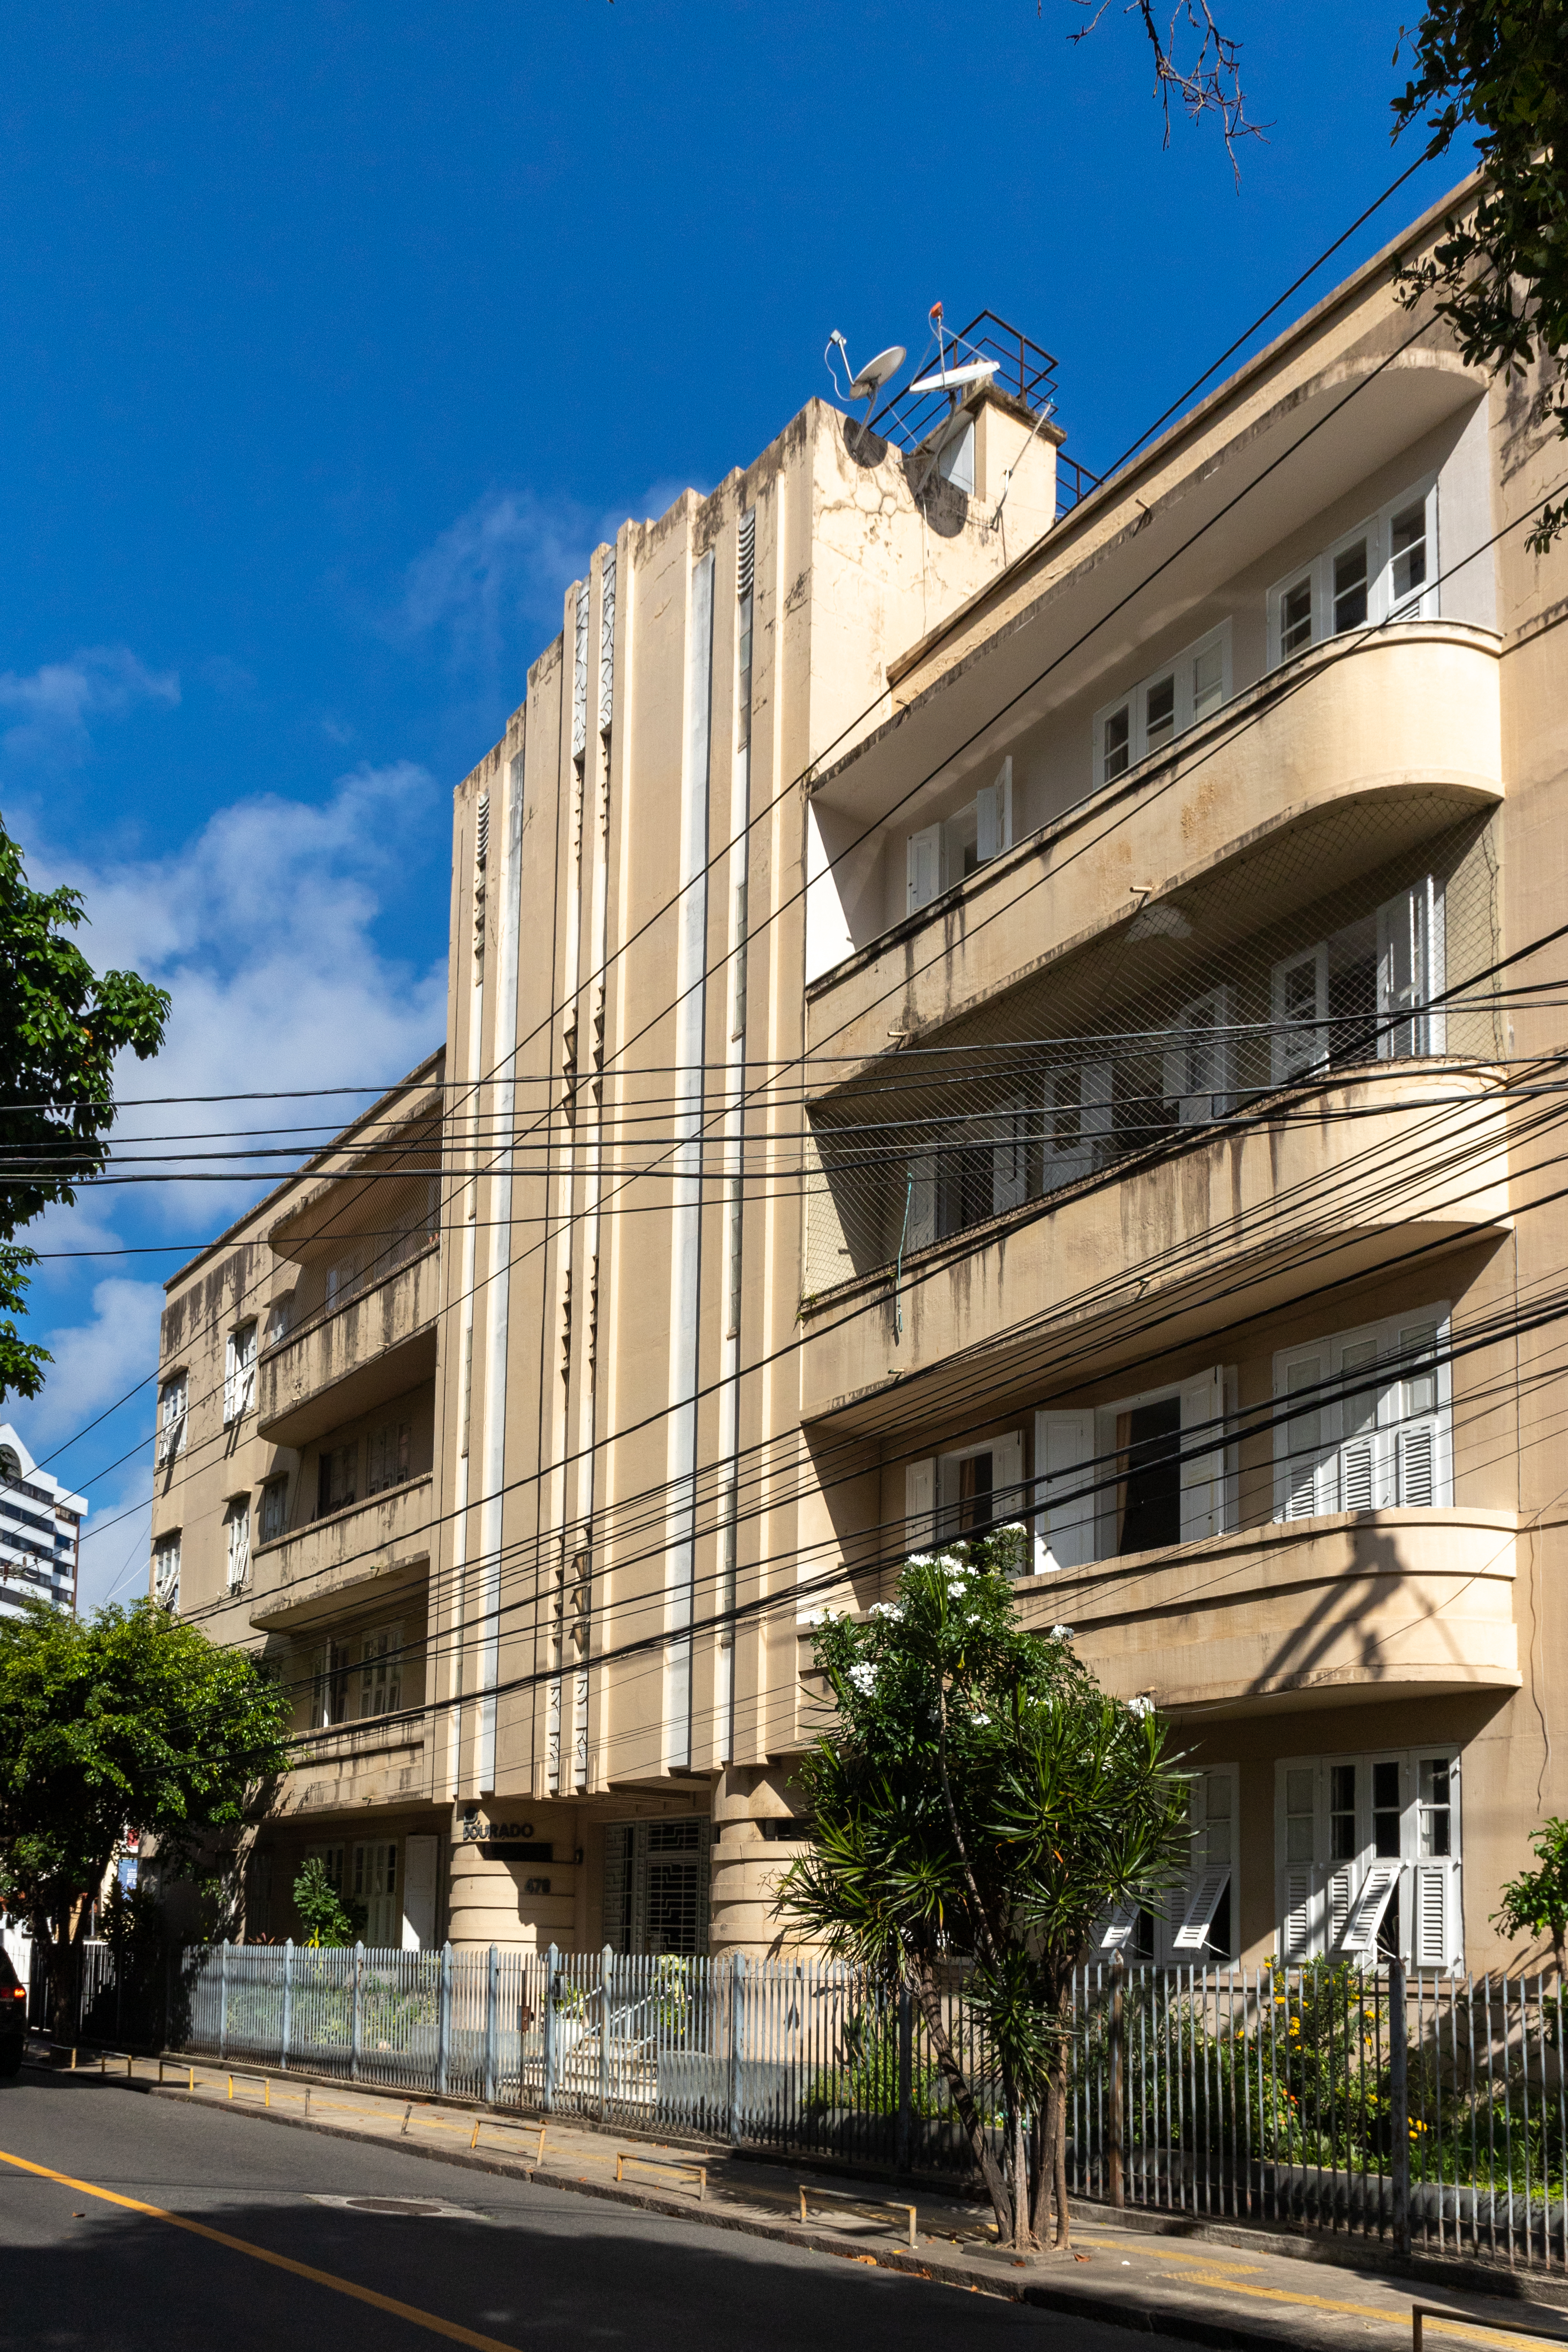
pixel 514 2266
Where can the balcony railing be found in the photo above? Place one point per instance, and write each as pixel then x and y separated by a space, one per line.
pixel 378 1341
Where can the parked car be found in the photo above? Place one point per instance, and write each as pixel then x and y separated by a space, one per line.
pixel 13 2017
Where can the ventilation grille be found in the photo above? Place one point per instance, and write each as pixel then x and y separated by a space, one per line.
pixel 746 564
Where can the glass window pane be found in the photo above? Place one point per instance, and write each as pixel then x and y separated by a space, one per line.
pixel 1298 1789
pixel 1386 1785
pixel 1160 712
pixel 1296 618
pixel 1350 587
pixel 1360 1404
pixel 1208 681
pixel 1409 547
pixel 1420 1387
pixel 1117 748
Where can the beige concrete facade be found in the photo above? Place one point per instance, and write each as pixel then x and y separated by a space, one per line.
pixel 942 1036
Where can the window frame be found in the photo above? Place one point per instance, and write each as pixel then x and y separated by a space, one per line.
pixel 166 1586
pixel 379 1658
pixel 935 842
pixel 239 1371
pixel 236 1541
pixel 1134 703
pixel 1383 607
pixel 1394 1418
pixel 173 1411
pixel 1317 1902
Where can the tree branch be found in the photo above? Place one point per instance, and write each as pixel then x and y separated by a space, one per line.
pixel 1211 84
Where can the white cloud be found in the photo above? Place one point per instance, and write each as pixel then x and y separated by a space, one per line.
pixel 94 1365
pixel 54 702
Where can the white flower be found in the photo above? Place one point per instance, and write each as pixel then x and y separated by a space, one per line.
pixel 1062 1633
pixel 981 1718
pixel 957 1591
pixel 951 1567
pixel 886 1609
pixel 863 1673
pixel 920 1559
pixel 821 1617
pixel 1140 1706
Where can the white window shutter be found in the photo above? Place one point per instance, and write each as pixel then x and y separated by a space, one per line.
pixel 1114 1931
pixel 1296 1934
pixel 1063 1452
pixel 1298 1443
pixel 1437 1915
pixel 1367 1912
pixel 231 1380
pixel 1007 1476
pixel 920 1505
pixel 1357 1475
pixel 1097 1086
pixel 924 858
pixel 988 824
pixel 1067 1151
pixel 1203 1473
pixel 1203 1902
pixel 1341 1893
pixel 418 1893
pixel 1418 1465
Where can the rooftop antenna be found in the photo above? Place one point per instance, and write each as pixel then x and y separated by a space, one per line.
pixel 950 379
pixel 870 380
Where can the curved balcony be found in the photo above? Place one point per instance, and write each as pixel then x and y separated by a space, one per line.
pixel 1405 724
pixel 1362 1172
pixel 348 1360
pixel 372 1549
pixel 1358 1606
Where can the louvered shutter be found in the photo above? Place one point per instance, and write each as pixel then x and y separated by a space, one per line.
pixel 1203 1902
pixel 1202 1473
pixel 1360 1935
pixel 1340 1894
pixel 1296 1934
pixel 1437 1912
pixel 920 1505
pixel 1063 1528
pixel 1418 1484
pixel 924 866
pixel 1111 1934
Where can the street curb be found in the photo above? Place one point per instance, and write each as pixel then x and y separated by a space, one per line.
pixel 1147 2318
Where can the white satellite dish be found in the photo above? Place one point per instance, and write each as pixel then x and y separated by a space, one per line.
pixel 949 379
pixel 879 371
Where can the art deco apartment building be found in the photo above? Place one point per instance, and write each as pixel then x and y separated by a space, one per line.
pixel 961 1019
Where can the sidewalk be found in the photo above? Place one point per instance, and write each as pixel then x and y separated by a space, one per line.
pixel 1217 2284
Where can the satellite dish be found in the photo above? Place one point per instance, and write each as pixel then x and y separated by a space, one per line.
pixel 880 371
pixel 949 379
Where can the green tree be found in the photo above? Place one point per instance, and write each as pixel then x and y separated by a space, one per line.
pixel 128 1716
pixel 980 1802
pixel 326 1916
pixel 61 1027
pixel 1536 1902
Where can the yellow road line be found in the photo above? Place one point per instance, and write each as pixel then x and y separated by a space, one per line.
pixel 1216 2277
pixel 408 2311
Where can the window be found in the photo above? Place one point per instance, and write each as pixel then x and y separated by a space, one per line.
pixel 329 1685
pixel 1383 570
pixel 277 1319
pixel 947 852
pixel 1199 1064
pixel 239 1374
pixel 1367 1857
pixel 1365 993
pixel 166 1572
pixel 336 1478
pixel 172 1402
pixel 1197 1921
pixel 656 1884
pixel 381 1671
pixel 388 1453
pixel 236 1531
pixel 274 1509
pixel 1374 1427
pixel 970 1493
pixel 1159 709
pixel 375 1885
pixel 1155 1470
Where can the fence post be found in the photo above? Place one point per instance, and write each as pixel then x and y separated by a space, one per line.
pixel 737 2043
pixel 223 2001
pixel 550 2031
pixel 168 1994
pixel 444 2022
pixel 287 2000
pixel 606 1984
pixel 492 2027
pixel 1117 2185
pixel 357 2014
pixel 1399 2104
pixel 903 2152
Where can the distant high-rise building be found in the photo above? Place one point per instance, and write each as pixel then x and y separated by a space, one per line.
pixel 40 1531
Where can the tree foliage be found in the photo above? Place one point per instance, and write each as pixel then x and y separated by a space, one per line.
pixel 1499 273
pixel 61 1027
pixel 328 1917
pixel 131 1717
pixel 979 1804
pixel 1536 1902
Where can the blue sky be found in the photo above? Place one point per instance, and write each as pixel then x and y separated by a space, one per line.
pixel 336 335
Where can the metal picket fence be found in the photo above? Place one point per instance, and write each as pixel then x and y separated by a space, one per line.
pixel 1429 2114
pixel 803 2056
